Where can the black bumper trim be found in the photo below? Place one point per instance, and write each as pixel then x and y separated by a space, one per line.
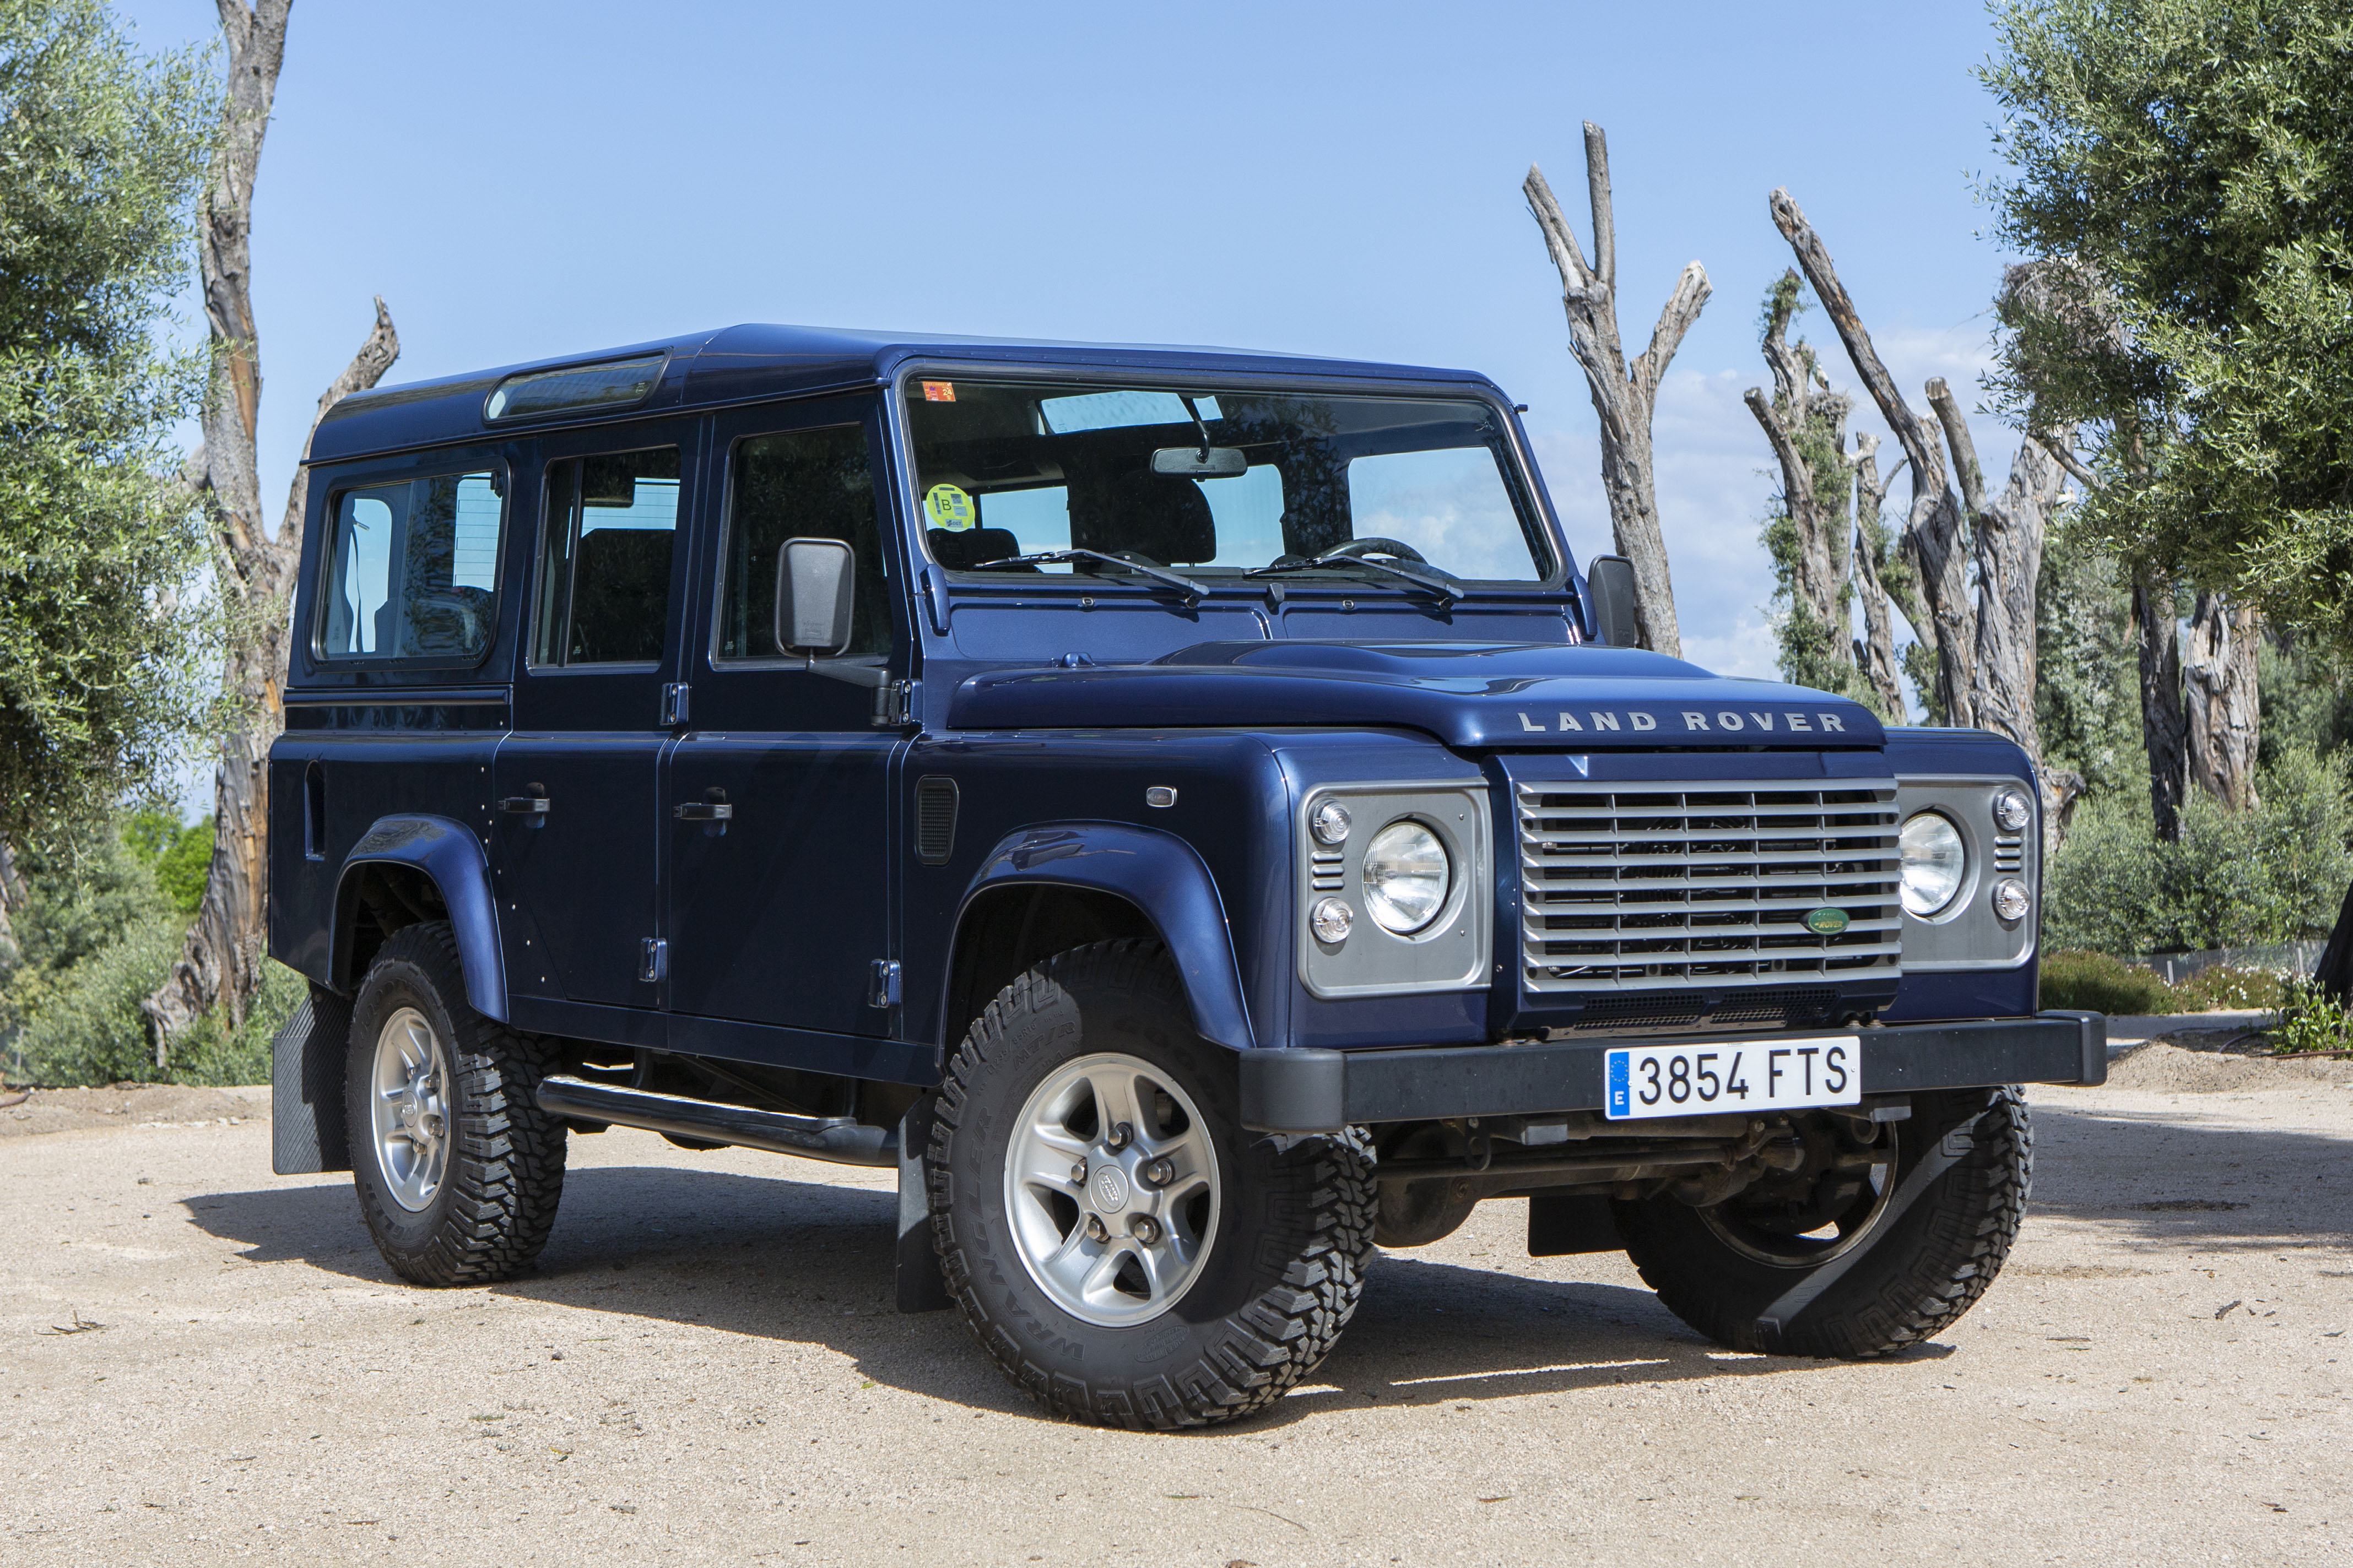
pixel 1322 1090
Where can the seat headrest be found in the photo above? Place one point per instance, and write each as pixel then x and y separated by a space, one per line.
pixel 1164 516
pixel 620 594
pixel 963 549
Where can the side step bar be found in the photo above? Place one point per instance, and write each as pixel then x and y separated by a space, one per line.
pixel 843 1140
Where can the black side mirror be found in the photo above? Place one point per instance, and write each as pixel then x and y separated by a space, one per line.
pixel 1609 591
pixel 816 579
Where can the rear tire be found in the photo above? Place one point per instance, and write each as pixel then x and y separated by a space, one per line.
pixel 1909 1255
pixel 1246 1250
pixel 458 1170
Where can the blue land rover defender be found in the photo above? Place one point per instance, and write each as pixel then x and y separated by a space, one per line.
pixel 1186 810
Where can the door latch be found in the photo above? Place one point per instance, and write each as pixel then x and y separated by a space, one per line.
pixel 653 960
pixel 674 702
pixel 883 987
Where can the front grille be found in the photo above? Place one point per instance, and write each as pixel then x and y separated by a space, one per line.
pixel 1706 886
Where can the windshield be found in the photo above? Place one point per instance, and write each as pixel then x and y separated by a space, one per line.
pixel 1370 491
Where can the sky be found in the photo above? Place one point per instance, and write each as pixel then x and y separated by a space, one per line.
pixel 520 180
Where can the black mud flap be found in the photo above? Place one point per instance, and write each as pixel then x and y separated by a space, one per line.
pixel 1561 1224
pixel 922 1286
pixel 306 1087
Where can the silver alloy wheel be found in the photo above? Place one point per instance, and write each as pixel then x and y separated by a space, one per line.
pixel 1849 1228
pixel 1112 1187
pixel 410 1106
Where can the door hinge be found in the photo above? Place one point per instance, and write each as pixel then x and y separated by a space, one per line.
pixel 653 958
pixel 882 988
pixel 674 702
pixel 894 703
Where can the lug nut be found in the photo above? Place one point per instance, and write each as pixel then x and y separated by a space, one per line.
pixel 1097 1229
pixel 1121 1136
pixel 1145 1229
pixel 1079 1174
pixel 1159 1173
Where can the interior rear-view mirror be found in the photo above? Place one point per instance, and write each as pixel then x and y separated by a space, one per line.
pixel 1610 584
pixel 1200 462
pixel 814 583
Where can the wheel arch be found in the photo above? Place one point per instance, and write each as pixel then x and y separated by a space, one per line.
pixel 410 868
pixel 1053 886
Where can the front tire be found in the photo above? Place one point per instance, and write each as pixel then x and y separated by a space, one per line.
pixel 1862 1260
pixel 1122 1248
pixel 458 1170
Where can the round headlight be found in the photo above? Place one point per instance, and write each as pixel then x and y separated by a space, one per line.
pixel 1406 877
pixel 1934 863
pixel 1330 823
pixel 2012 811
pixel 1330 919
pixel 2010 898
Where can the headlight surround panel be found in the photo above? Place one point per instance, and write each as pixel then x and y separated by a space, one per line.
pixel 1451 951
pixel 1967 933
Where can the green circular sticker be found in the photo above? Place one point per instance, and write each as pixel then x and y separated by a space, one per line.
pixel 948 508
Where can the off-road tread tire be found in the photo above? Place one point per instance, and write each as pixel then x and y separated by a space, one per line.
pixel 505 1176
pixel 1317 1195
pixel 1892 1297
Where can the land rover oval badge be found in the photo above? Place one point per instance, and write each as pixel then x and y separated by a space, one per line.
pixel 1826 922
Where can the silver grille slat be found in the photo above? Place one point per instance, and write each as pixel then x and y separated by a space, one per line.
pixel 1658 886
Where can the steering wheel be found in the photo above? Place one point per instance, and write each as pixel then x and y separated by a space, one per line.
pixel 1375 546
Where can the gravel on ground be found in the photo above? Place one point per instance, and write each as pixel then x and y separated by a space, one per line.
pixel 204 1362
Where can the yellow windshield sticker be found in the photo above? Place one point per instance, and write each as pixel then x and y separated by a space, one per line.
pixel 939 392
pixel 948 508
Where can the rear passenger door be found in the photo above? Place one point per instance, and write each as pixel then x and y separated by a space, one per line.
pixel 780 908
pixel 577 779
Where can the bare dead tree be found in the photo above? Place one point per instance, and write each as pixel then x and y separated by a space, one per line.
pixel 1624 394
pixel 2224 720
pixel 1932 536
pixel 1805 422
pixel 221 962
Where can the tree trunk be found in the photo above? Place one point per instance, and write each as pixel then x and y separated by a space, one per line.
pixel 1623 396
pixel 2163 732
pixel 1932 543
pixel 221 963
pixel 2224 724
pixel 2010 535
pixel 1876 653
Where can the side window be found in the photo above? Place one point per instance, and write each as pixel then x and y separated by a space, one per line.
pixel 604 559
pixel 802 484
pixel 412 569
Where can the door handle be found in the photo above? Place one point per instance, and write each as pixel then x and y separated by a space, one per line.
pixel 524 805
pixel 705 811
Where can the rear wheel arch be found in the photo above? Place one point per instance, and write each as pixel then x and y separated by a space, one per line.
pixel 409 871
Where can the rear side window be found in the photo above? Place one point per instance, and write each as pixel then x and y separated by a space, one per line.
pixel 800 484
pixel 604 559
pixel 413 570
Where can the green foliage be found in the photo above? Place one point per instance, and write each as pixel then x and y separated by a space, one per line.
pixel 2234 880
pixel 2229 986
pixel 101 669
pixel 2309 1019
pixel 2306 700
pixel 2087 668
pixel 2185 166
pixel 180 856
pixel 212 1053
pixel 2099 983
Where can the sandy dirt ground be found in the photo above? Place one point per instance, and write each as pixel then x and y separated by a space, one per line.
pixel 204 1361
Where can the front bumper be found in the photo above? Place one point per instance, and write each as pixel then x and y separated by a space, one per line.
pixel 1323 1090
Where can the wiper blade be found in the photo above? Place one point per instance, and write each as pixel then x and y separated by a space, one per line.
pixel 1429 582
pixel 1192 591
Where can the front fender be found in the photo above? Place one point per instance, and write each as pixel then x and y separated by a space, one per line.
pixel 1161 874
pixel 449 854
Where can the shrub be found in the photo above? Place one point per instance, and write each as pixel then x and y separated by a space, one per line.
pixel 83 1022
pixel 2235 880
pixel 2309 1019
pixel 210 1053
pixel 2098 983
pixel 2227 985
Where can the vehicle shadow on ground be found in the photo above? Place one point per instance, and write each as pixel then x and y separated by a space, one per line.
pixel 773 1257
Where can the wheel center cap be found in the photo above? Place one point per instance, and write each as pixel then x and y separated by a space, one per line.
pixel 1110 1188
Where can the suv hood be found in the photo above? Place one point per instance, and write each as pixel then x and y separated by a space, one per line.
pixel 1472 696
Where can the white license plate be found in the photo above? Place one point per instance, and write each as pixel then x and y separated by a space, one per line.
pixel 1732 1075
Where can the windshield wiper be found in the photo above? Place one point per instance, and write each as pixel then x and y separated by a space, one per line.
pixel 1429 582
pixel 1192 591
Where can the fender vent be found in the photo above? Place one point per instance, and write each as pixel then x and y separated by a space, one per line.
pixel 936 820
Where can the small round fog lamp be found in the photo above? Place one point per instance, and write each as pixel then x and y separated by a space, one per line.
pixel 1330 823
pixel 2012 811
pixel 1331 919
pixel 2010 898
